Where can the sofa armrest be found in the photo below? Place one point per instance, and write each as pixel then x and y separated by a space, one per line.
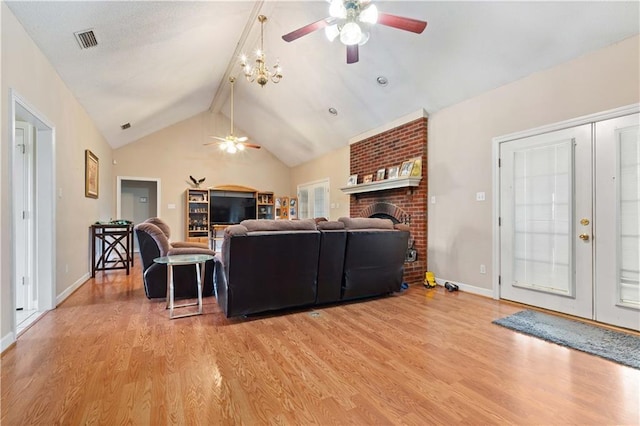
pixel 183 244
pixel 190 250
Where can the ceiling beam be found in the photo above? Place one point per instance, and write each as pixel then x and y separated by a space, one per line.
pixel 223 87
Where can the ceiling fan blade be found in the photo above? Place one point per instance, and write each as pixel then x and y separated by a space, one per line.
pixel 252 145
pixel 303 31
pixel 220 139
pixel 243 139
pixel 401 23
pixel 352 54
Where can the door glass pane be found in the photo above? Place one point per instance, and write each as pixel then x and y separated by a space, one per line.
pixel 319 202
pixel 629 218
pixel 303 203
pixel 542 210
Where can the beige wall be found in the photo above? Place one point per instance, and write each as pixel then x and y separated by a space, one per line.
pixel 26 70
pixel 460 147
pixel 335 166
pixel 178 151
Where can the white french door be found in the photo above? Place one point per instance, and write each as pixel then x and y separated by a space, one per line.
pixel 617 239
pixel 313 199
pixel 545 192
pixel 570 221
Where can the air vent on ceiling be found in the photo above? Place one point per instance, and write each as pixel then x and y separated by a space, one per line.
pixel 86 39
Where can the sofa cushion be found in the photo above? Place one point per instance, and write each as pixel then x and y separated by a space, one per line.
pixel 279 225
pixel 235 230
pixel 366 223
pixel 402 227
pixel 330 225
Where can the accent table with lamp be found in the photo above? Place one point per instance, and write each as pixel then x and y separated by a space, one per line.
pixel 184 259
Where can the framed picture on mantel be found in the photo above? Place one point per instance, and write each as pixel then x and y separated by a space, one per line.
pixel 353 180
pixel 393 172
pixel 405 169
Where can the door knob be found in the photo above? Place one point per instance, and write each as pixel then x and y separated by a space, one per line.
pixel 584 237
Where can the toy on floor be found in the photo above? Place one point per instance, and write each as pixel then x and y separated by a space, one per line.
pixel 429 280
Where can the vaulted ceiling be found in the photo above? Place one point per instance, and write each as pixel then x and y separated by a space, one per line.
pixel 158 63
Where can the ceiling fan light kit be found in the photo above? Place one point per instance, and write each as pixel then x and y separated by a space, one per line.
pixel 232 144
pixel 259 72
pixel 351 20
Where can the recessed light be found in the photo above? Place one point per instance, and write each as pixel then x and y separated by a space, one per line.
pixel 125 126
pixel 382 80
pixel 333 111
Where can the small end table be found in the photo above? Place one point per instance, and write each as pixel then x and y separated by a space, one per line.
pixel 184 259
pixel 115 244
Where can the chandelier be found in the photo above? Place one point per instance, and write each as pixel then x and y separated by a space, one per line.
pixel 354 21
pixel 259 72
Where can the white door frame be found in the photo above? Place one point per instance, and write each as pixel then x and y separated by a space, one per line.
pixel 495 172
pixel 45 205
pixel 143 179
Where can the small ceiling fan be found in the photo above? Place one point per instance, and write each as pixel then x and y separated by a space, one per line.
pixel 232 143
pixel 350 20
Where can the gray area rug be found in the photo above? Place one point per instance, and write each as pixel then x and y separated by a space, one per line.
pixel 616 346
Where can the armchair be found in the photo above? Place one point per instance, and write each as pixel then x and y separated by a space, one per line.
pixel 166 230
pixel 153 243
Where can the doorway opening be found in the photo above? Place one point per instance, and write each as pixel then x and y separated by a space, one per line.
pixel 32 170
pixel 138 199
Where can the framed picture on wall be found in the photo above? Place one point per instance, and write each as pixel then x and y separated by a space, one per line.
pixel 91 174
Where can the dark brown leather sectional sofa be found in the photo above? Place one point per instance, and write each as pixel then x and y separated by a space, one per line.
pixel 271 265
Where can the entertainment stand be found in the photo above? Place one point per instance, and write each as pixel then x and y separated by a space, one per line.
pixel 211 210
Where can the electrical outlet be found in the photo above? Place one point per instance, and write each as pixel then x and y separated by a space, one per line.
pixel 483 269
pixel 480 196
pixel 433 199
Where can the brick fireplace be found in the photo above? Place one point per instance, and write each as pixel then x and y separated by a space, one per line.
pixel 406 205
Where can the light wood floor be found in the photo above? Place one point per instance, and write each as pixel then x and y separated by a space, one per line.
pixel 108 355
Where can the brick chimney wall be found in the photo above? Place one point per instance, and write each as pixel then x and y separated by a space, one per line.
pixel 388 149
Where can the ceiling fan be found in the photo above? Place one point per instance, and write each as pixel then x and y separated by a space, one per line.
pixel 232 143
pixel 350 20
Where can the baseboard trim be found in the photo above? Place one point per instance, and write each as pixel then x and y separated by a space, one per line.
pixel 468 288
pixel 7 341
pixel 69 291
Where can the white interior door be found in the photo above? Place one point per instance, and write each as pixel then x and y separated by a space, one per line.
pixel 23 211
pixel 545 221
pixel 617 214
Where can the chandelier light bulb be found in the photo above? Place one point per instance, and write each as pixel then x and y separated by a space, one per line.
pixel 240 146
pixel 231 149
pixel 350 34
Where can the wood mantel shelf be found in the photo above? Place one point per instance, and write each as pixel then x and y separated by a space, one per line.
pixel 403 182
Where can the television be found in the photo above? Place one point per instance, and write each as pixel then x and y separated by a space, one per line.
pixel 227 210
